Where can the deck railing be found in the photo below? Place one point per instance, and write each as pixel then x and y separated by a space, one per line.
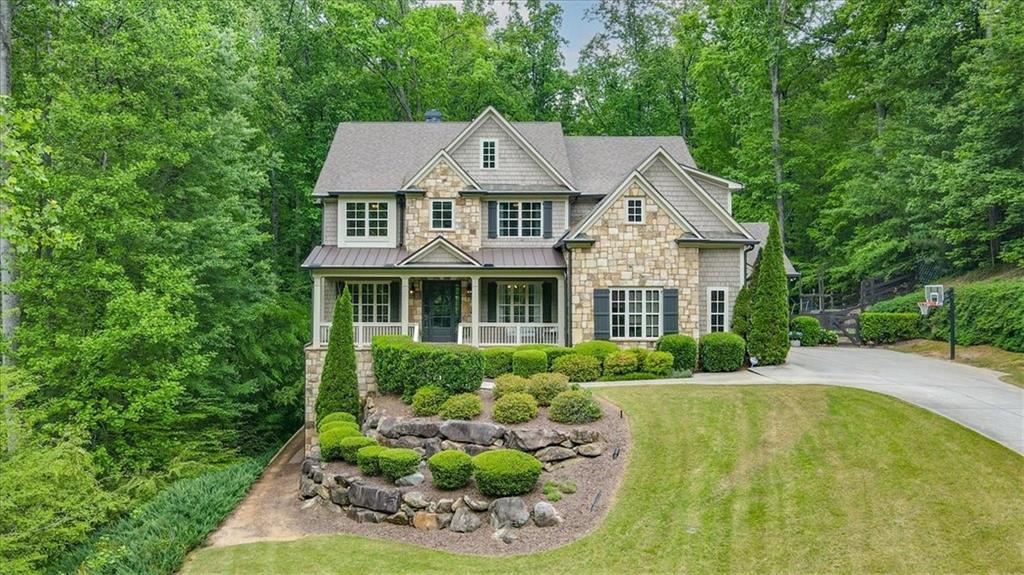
pixel 363 333
pixel 511 333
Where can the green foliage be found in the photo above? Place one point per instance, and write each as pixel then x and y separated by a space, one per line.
pixel 388 358
pixel 367 459
pixel 428 400
pixel 809 329
pixel 553 490
pixel 337 416
pixel 768 340
pixel 829 337
pixel 398 462
pixel 574 406
pixel 683 349
pixel 330 440
pixel 505 472
pixel 339 385
pixel 620 363
pixel 742 310
pixel 578 367
pixel 338 425
pixel 497 361
pixel 631 376
pixel 510 383
pixel 876 327
pixel 545 386
pixel 514 408
pixel 527 362
pixel 350 446
pixel 597 348
pixel 461 406
pixel 450 469
pixel 721 351
pixel 659 363
pixel 555 353
pixel 410 366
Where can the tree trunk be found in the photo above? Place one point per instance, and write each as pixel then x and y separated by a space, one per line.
pixel 8 299
pixel 780 201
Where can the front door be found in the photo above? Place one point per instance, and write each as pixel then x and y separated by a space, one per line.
pixel 441 310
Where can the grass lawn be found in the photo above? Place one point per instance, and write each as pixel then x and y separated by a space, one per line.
pixel 1008 362
pixel 741 479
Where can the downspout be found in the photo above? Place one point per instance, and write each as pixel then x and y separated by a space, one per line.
pixel 746 250
pixel 567 297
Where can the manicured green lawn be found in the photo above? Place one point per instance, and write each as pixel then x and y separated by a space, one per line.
pixel 742 479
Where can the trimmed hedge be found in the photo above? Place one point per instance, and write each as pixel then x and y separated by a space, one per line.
pixel 620 363
pixel 388 352
pixel 809 329
pixel 634 376
pixel 573 407
pixel 351 445
pixel 545 386
pixel 497 361
pixel 505 472
pixel 397 462
pixel 428 400
pixel 403 367
pixel 527 362
pixel 683 349
pixel 366 459
pixel 450 469
pixel 461 406
pixel 578 367
pixel 878 327
pixel 514 408
pixel 330 441
pixel 555 353
pixel 597 348
pixel 338 424
pixel 510 383
pixel 722 351
pixel 342 416
pixel 659 363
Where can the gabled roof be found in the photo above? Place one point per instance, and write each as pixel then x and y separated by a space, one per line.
pixel 455 255
pixel 441 156
pixel 600 163
pixel 760 232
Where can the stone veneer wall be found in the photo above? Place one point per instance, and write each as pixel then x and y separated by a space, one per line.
pixel 442 183
pixel 314 367
pixel 641 255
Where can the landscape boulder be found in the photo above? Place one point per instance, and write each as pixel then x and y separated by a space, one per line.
pixel 545 514
pixel 465 521
pixel 532 439
pixel 509 511
pixel 383 499
pixel 590 449
pixel 479 432
pixel 554 453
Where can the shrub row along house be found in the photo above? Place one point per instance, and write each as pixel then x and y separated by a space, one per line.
pixel 503 233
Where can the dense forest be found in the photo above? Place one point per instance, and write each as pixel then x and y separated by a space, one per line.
pixel 158 158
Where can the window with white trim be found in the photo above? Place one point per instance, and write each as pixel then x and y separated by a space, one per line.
pixel 371 301
pixel 488 154
pixel 716 309
pixel 636 313
pixel 635 210
pixel 520 219
pixel 442 214
pixel 519 302
pixel 366 219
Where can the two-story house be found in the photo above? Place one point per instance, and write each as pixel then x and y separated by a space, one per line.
pixel 499 233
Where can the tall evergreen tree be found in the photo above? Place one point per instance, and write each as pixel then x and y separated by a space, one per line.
pixel 339 386
pixel 743 308
pixel 769 323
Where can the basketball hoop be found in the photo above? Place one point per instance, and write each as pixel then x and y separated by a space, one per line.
pixel 926 306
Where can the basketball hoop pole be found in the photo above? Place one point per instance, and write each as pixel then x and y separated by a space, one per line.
pixel 951 300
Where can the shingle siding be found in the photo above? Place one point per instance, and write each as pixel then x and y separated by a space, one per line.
pixel 685 200
pixel 558 228
pixel 515 165
pixel 719 268
pixel 581 208
pixel 330 227
pixel 717 191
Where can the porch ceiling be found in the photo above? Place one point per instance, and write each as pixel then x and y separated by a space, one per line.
pixel 333 257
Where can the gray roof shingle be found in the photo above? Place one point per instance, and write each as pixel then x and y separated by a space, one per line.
pixel 760 232
pixel 600 163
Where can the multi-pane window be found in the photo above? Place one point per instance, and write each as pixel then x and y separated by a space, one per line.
pixel 520 219
pixel 441 215
pixel 371 302
pixel 519 303
pixel 635 210
pixel 636 313
pixel 488 154
pixel 716 309
pixel 366 219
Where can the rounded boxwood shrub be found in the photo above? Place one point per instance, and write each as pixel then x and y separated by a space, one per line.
pixel 514 408
pixel 555 353
pixel 450 469
pixel 527 362
pixel 342 416
pixel 641 354
pixel 366 459
pixel 829 337
pixel 620 363
pixel 574 406
pixel 578 367
pixel 497 361
pixel 683 349
pixel 461 406
pixel 659 363
pixel 722 351
pixel 340 425
pixel 510 383
pixel 598 348
pixel 545 386
pixel 351 445
pixel 505 472
pixel 330 440
pixel 428 400
pixel 809 329
pixel 398 462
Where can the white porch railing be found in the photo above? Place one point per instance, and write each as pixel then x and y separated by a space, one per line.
pixel 363 333
pixel 511 333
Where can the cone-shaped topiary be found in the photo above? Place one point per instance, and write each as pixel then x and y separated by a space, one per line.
pixel 768 339
pixel 743 308
pixel 339 387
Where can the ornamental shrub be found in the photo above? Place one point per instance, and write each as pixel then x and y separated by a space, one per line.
pixel 450 469
pixel 397 462
pixel 809 329
pixel 505 472
pixel 366 459
pixel 339 386
pixel 597 348
pixel 555 353
pixel 514 408
pixel 497 361
pixel 545 386
pixel 640 353
pixel 620 363
pixel 683 349
pixel 829 337
pixel 428 400
pixel 578 367
pixel 455 368
pixel 339 425
pixel 768 339
pixel 742 309
pixel 388 352
pixel 351 445
pixel 878 327
pixel 659 363
pixel 461 406
pixel 336 416
pixel 330 441
pixel 574 406
pixel 527 362
pixel 510 383
pixel 721 351
pixel 633 376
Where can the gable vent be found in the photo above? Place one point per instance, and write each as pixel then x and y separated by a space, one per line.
pixel 433 115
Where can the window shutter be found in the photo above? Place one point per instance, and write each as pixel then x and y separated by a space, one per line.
pixel 547 301
pixel 492 300
pixel 602 319
pixel 396 300
pixel 547 219
pixel 670 311
pixel 492 219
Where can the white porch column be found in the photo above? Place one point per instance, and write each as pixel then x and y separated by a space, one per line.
pixel 318 308
pixel 560 298
pixel 404 307
pixel 475 307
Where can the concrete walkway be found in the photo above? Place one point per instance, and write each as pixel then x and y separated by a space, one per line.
pixel 971 396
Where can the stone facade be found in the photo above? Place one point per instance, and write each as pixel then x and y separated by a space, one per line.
pixel 442 182
pixel 314 367
pixel 634 255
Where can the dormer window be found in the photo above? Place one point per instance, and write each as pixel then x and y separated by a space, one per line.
pixel 366 222
pixel 635 210
pixel 489 154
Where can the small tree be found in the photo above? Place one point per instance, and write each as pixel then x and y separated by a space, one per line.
pixel 339 385
pixel 743 308
pixel 768 339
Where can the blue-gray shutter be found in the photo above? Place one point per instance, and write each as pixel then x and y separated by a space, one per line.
pixel 670 311
pixel 492 300
pixel 547 219
pixel 396 300
pixel 547 301
pixel 602 317
pixel 492 219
